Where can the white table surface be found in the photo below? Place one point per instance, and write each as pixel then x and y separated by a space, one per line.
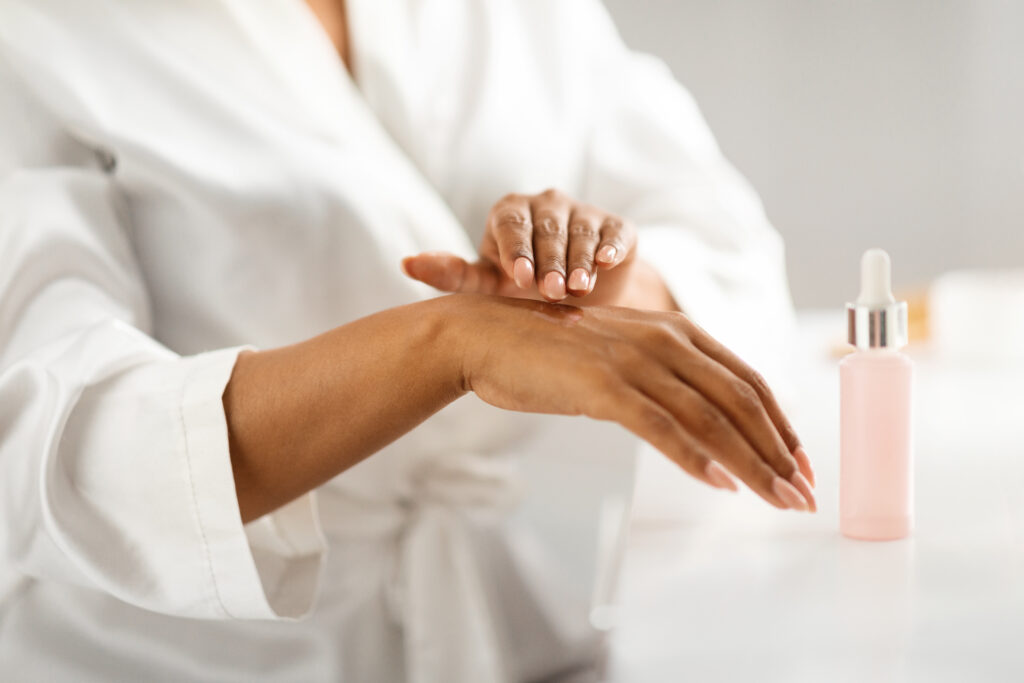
pixel 722 587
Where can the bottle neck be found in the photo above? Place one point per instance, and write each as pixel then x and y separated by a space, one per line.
pixel 869 327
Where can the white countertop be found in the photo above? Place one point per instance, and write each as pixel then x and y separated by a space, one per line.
pixel 722 587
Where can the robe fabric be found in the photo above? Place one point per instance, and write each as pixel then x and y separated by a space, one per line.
pixel 180 180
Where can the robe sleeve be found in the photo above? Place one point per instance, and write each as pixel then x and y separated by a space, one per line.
pixel 651 157
pixel 114 464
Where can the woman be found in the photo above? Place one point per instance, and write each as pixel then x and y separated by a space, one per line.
pixel 183 183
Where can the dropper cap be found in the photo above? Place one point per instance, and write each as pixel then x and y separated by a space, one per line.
pixel 876 320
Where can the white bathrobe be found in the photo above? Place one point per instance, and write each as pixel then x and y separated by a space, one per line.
pixel 181 179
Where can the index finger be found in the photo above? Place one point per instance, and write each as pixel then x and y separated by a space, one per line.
pixel 509 225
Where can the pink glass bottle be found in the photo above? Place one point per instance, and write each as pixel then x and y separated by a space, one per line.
pixel 876 444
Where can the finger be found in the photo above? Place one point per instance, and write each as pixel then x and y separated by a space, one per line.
pixel 509 226
pixel 708 424
pixel 451 273
pixel 715 349
pixel 618 238
pixel 804 463
pixel 584 235
pixel 654 424
pixel 741 405
pixel 550 216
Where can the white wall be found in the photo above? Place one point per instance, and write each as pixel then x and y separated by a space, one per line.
pixel 894 123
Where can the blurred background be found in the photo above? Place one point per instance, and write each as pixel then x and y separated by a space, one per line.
pixel 891 123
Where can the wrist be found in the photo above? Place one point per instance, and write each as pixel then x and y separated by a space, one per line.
pixel 469 330
pixel 445 333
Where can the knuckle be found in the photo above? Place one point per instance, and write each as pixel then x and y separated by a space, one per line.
pixel 656 421
pixel 510 218
pixel 612 223
pixel 551 193
pixel 786 466
pixel 759 384
pixel 776 464
pixel 583 230
pixel 680 322
pixel 681 339
pixel 547 226
pixel 660 336
pixel 709 419
pixel 692 458
pixel 746 397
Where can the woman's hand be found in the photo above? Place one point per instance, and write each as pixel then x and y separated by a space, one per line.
pixel 658 374
pixel 541 246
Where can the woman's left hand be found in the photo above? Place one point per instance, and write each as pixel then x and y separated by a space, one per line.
pixel 541 246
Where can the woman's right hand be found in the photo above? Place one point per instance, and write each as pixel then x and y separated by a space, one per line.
pixel 658 374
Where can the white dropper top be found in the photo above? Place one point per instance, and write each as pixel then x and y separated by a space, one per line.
pixel 876 319
pixel 875 279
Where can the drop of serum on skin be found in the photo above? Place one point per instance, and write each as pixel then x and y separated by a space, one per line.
pixel 561 313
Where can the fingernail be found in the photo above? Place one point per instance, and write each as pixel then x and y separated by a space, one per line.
pixel 718 476
pixel 554 286
pixel 805 490
pixel 789 495
pixel 579 280
pixel 405 266
pixel 801 457
pixel 522 272
pixel 606 254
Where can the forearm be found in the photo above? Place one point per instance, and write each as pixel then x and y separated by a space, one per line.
pixel 301 414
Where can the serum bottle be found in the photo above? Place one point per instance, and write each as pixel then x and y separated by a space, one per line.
pixel 876 460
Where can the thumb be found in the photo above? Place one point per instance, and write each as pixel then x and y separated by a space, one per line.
pixel 450 273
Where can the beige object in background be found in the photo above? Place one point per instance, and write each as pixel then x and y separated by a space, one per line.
pixel 978 316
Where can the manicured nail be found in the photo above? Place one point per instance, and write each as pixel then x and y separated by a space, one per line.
pixel 805 490
pixel 522 272
pixel 805 463
pixel 789 495
pixel 579 280
pixel 718 476
pixel 554 286
pixel 606 254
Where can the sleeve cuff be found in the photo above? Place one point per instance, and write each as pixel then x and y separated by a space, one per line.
pixel 270 568
pixel 676 257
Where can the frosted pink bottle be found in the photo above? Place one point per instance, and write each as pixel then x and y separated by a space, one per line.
pixel 876 474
